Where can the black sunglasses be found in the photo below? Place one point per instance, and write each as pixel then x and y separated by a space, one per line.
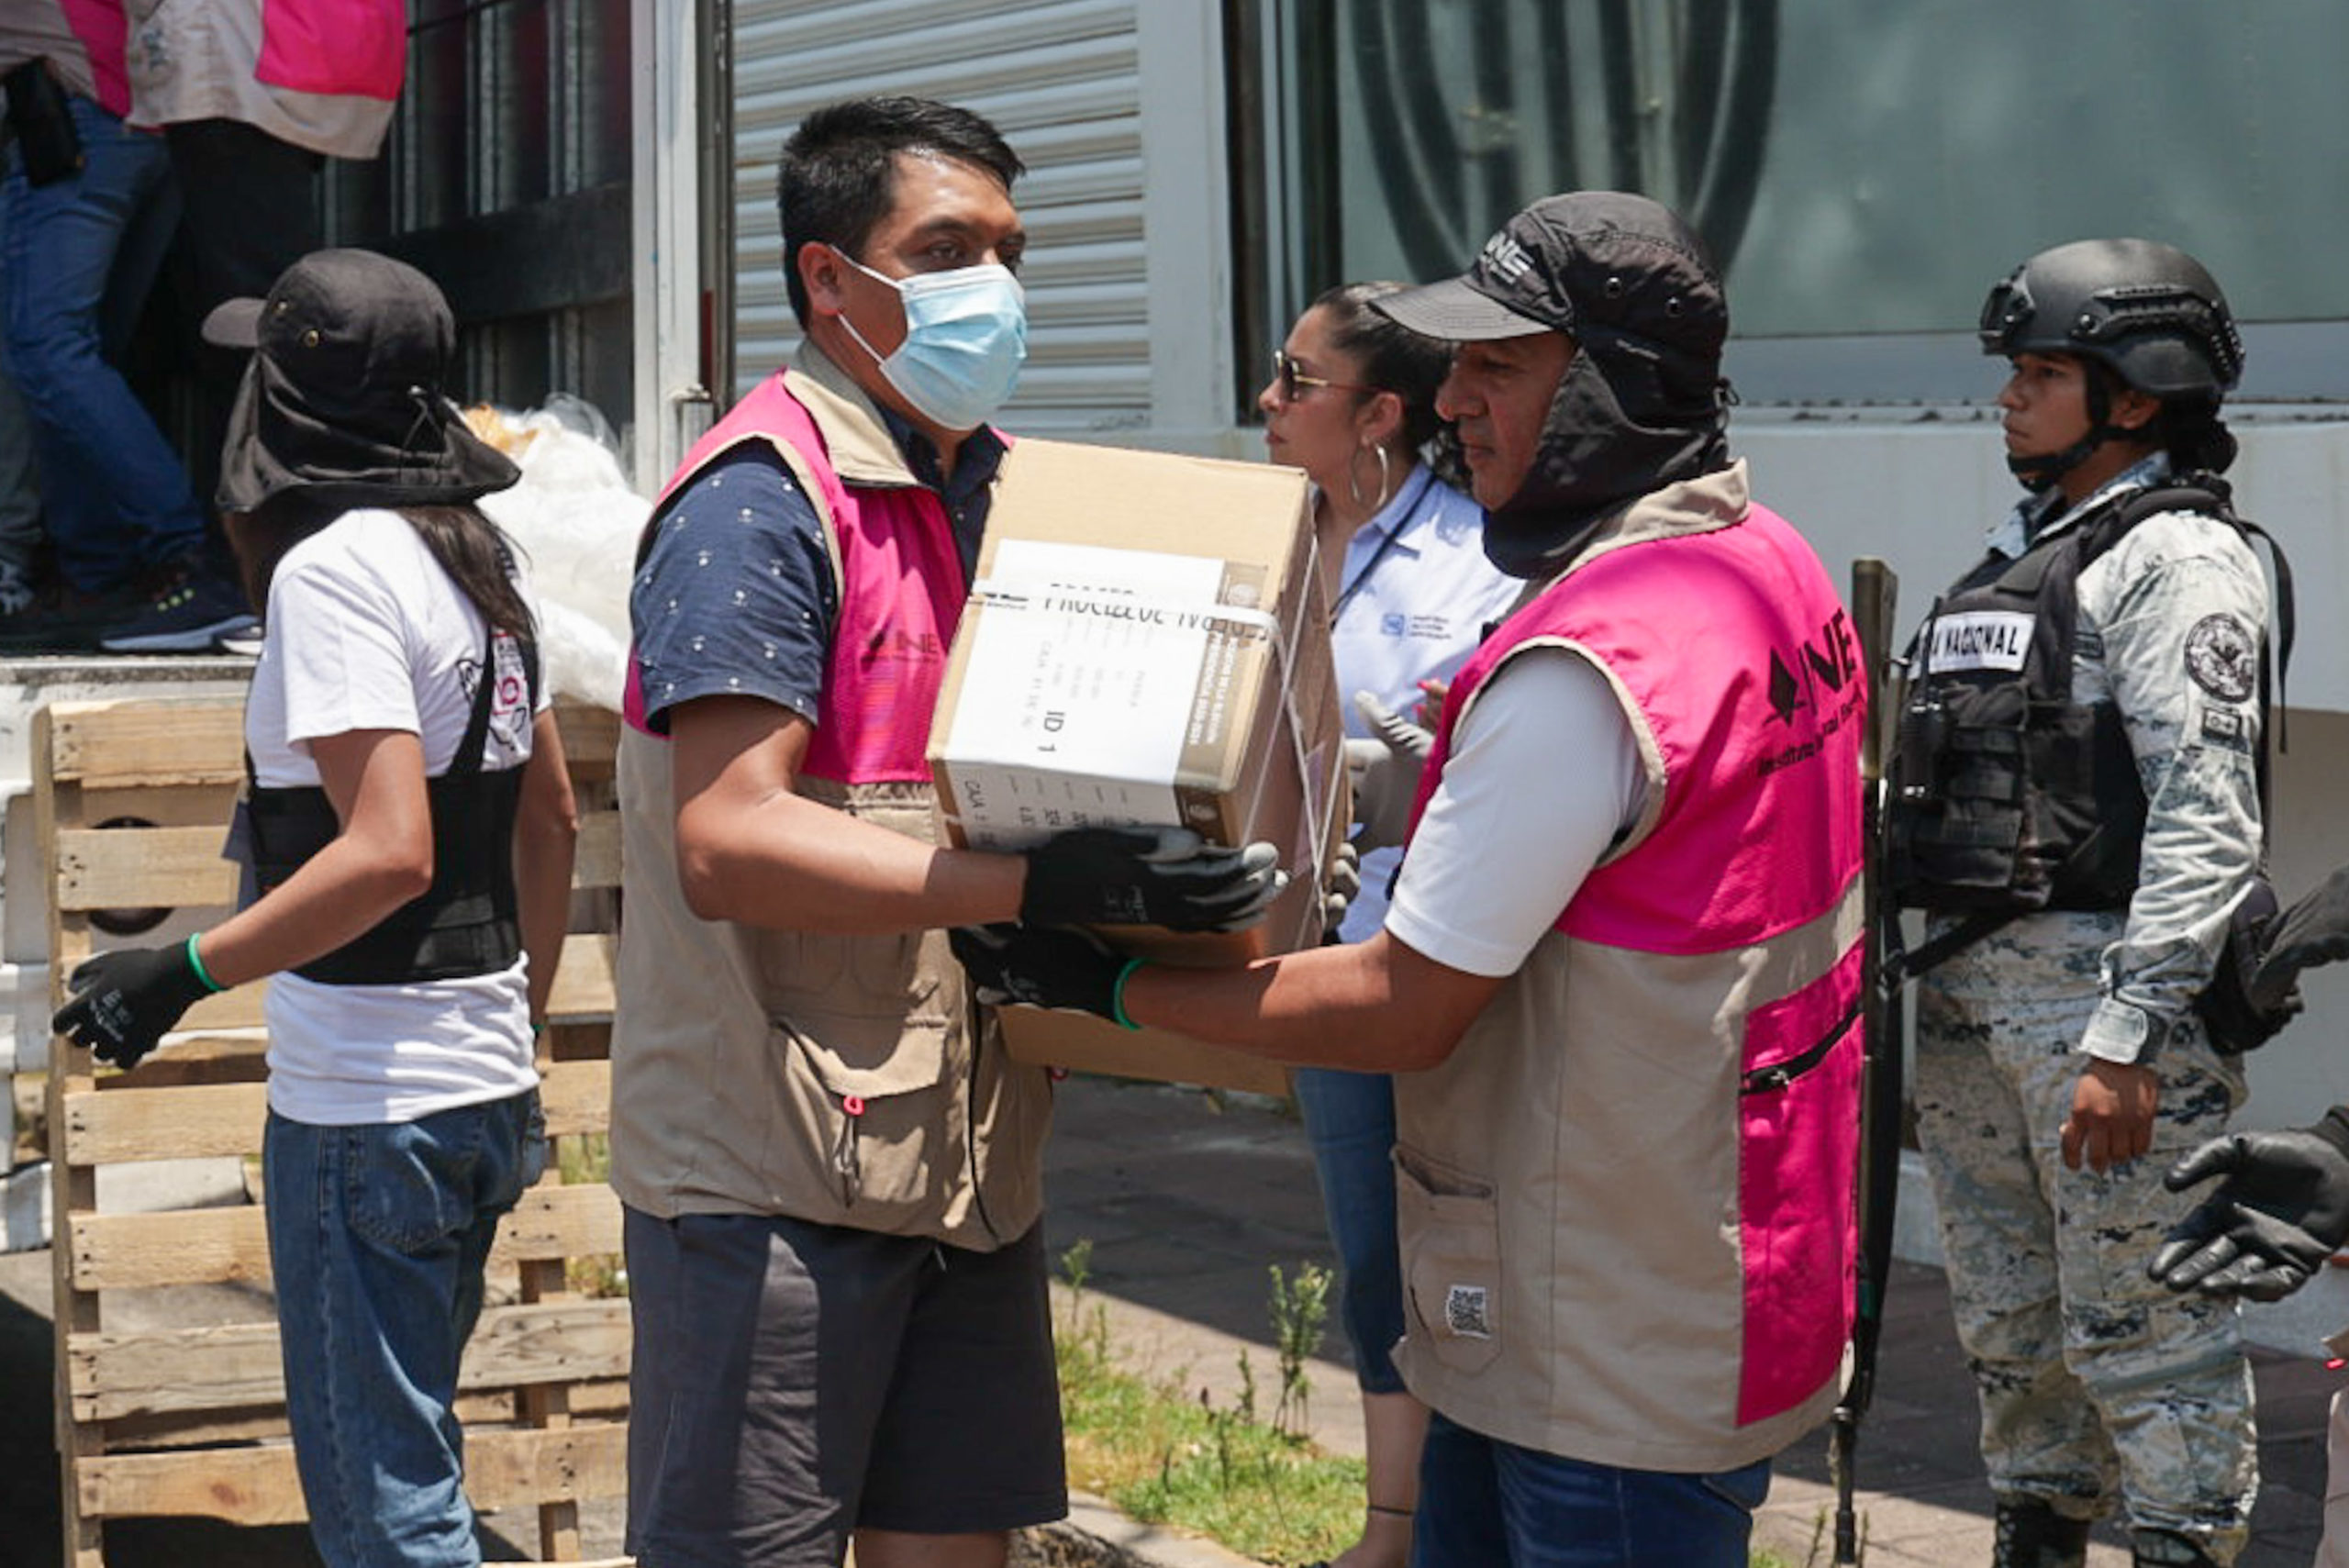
pixel 1293 381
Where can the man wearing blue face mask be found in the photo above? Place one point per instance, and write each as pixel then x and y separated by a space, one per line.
pixel 966 335
pixel 830 1170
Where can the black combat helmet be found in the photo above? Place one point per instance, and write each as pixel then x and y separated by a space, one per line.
pixel 2149 311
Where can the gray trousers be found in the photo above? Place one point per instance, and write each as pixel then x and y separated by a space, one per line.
pixel 2332 1552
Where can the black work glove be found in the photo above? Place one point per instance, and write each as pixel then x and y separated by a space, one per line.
pixel 1147 876
pixel 2283 1210
pixel 2312 931
pixel 124 1001
pixel 1040 967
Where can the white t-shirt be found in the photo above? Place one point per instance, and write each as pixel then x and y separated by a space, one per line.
pixel 1543 777
pixel 367 631
pixel 1415 594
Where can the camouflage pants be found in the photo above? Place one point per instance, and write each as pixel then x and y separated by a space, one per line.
pixel 2332 1552
pixel 2092 1377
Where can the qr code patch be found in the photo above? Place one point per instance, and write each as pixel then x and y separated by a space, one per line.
pixel 1466 1312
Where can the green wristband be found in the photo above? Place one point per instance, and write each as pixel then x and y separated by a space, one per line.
pixel 197 964
pixel 1118 994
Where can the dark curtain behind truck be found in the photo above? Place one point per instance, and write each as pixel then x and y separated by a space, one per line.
pixel 507 178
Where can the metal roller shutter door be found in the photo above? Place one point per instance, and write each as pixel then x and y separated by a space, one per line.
pixel 1063 83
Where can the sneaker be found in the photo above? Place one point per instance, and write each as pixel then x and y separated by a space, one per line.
pixel 244 644
pixel 62 620
pixel 191 614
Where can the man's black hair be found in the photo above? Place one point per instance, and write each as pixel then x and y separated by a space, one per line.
pixel 838 178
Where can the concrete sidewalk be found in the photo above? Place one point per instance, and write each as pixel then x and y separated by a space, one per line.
pixel 1188 1200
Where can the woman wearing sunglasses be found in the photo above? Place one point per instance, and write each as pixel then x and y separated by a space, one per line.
pixel 1352 401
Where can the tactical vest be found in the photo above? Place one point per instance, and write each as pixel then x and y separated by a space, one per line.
pixel 468 921
pixel 2009 796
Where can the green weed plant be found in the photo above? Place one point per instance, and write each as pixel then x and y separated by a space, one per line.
pixel 1162 1455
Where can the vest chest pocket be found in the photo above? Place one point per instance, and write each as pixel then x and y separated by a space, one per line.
pixel 873 1071
pixel 1450 1228
pixel 860 989
pixel 883 1128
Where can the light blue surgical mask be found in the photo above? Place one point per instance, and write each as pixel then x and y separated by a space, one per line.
pixel 966 335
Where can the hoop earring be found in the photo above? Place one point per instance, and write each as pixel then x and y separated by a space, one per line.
pixel 1385 478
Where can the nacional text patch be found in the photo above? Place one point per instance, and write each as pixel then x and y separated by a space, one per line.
pixel 1979 639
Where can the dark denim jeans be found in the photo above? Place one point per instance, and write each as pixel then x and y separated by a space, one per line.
pixel 77 257
pixel 1487 1503
pixel 1350 1118
pixel 20 525
pixel 377 1235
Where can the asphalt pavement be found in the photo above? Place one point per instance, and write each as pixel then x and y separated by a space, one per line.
pixel 1188 1199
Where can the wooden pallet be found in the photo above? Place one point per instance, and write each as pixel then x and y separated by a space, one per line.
pixel 192 1421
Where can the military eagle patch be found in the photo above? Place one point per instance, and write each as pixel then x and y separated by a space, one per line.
pixel 2222 657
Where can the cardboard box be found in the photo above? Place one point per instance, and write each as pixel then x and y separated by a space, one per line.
pixel 1147 644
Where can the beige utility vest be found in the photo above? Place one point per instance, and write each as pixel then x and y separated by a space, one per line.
pixel 1574 1277
pixel 1626 1199
pixel 846 1080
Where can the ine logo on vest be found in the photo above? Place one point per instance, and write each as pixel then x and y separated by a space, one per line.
pixel 1823 667
pixel 1824 677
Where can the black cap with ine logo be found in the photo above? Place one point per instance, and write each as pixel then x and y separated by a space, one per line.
pixel 1600 266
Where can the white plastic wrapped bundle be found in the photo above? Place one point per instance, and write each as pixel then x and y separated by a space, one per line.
pixel 576 522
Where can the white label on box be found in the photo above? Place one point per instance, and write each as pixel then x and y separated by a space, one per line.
pixel 1102 569
pixel 1079 688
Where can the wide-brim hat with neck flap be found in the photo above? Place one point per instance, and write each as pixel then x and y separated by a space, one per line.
pixel 344 400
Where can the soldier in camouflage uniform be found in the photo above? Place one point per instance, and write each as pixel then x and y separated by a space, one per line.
pixel 2058 1050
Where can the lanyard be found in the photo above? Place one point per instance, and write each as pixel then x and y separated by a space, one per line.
pixel 1402 507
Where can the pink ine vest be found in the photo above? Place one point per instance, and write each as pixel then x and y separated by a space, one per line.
pixel 104 33
pixel 901 594
pixel 334 48
pixel 1754 697
pixel 1733 653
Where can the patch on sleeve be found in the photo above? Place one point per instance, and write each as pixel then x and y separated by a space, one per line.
pixel 1466 1312
pixel 2222 657
pixel 2225 727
